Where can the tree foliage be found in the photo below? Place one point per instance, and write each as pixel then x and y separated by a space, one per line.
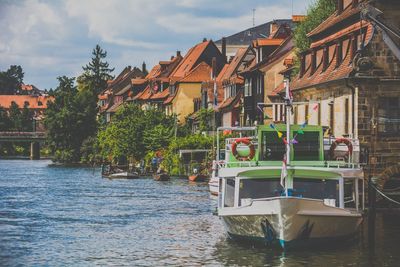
pixel 134 132
pixel 11 80
pixel 69 120
pixel 319 11
pixel 97 72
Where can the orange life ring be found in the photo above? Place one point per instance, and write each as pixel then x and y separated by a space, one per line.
pixel 247 142
pixel 338 141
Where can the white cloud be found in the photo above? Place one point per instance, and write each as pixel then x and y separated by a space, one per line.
pixel 50 38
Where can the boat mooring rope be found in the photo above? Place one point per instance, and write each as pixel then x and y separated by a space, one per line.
pixel 385 196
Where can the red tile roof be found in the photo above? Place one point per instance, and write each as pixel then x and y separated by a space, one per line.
pixel 155 71
pixel 332 72
pixel 200 73
pixel 35 102
pixel 230 69
pixel 230 102
pixel 354 27
pixel 298 18
pixel 189 60
pixel 334 19
pixel 267 42
pixel 138 81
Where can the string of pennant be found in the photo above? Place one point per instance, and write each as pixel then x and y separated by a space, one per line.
pixel 299 132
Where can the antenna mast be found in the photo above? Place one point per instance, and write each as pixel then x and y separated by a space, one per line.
pixel 254 17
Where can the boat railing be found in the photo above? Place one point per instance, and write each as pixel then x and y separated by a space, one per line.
pixel 327 164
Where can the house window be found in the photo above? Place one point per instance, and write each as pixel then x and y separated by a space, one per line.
pixel 259 84
pixel 388 116
pixel 247 88
pixel 172 87
pixel 295 115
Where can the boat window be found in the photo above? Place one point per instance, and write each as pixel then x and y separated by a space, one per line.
pixel 229 200
pixel 349 193
pixel 272 147
pixel 259 188
pixel 308 146
pixel 316 189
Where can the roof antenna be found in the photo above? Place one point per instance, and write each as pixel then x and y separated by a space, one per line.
pixel 254 17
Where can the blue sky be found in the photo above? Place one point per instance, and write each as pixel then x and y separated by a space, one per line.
pixel 50 38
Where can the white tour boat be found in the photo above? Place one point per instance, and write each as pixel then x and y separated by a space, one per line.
pixel 288 192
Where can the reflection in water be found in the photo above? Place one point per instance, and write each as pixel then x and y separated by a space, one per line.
pixel 71 216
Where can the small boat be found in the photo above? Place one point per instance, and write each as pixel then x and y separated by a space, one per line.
pixel 161 176
pixel 123 175
pixel 198 178
pixel 112 172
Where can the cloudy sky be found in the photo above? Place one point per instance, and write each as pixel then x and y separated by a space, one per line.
pixel 49 38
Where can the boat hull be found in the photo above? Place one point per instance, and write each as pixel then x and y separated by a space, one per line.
pixel 214 186
pixel 291 222
pixel 122 175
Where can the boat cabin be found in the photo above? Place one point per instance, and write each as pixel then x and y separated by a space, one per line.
pixel 254 159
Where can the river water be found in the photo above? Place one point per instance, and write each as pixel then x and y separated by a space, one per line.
pixel 58 216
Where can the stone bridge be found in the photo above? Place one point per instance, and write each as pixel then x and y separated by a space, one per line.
pixel 33 137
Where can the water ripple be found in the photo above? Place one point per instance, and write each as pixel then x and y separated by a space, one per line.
pixel 72 216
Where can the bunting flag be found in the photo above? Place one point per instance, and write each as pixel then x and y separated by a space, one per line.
pixel 285 140
pixel 300 131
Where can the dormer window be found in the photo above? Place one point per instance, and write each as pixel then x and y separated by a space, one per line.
pixel 302 65
pixel 325 58
pixel 313 61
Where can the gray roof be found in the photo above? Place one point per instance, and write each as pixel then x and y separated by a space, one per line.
pixel 247 36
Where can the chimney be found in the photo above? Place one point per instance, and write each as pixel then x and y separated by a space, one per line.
pixel 339 6
pixel 325 58
pixel 313 62
pixel 214 67
pixel 273 27
pixel 204 39
pixel 178 53
pixel 144 67
pixel 223 49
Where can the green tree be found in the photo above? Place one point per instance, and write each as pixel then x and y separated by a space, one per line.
pixel 11 80
pixel 15 116
pixel 5 122
pixel 69 120
pixel 316 14
pixel 134 133
pixel 27 118
pixel 97 72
